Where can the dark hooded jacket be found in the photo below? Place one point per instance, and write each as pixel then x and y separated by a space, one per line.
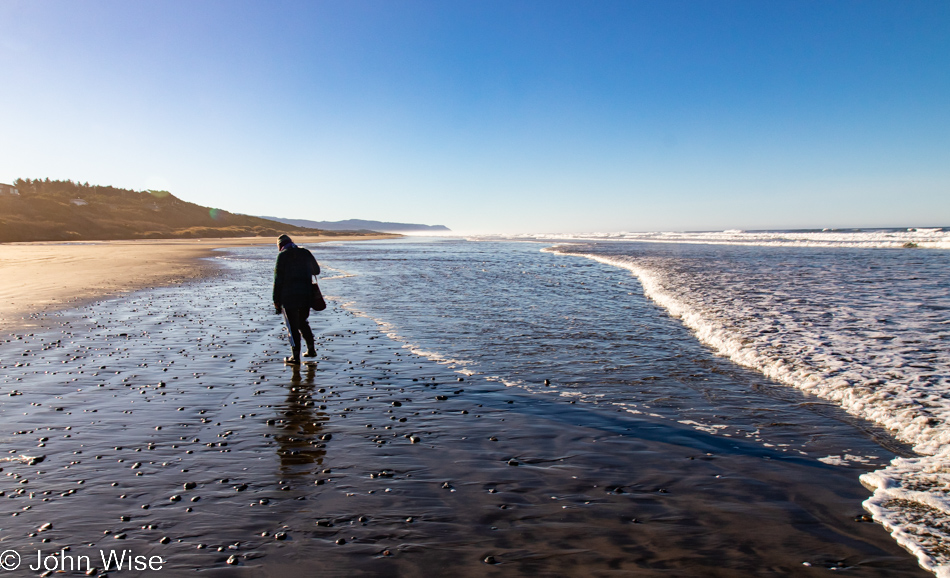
pixel 292 277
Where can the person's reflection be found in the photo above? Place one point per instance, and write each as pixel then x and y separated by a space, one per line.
pixel 301 442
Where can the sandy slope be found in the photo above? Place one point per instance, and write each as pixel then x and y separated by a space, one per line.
pixel 42 276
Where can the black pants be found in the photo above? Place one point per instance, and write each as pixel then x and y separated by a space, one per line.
pixel 297 325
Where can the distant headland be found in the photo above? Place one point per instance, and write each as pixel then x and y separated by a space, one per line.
pixel 52 210
pixel 361 225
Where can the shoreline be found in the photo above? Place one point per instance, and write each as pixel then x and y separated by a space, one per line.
pixel 47 276
pixel 165 424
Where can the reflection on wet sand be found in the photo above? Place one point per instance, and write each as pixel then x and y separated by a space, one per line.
pixel 301 439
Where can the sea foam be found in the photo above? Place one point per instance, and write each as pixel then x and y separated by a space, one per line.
pixel 880 355
pixel 925 238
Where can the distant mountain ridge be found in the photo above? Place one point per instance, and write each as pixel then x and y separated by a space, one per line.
pixel 362 225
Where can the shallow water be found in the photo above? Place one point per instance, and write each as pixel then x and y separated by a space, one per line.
pixel 865 329
pixel 138 396
pixel 519 316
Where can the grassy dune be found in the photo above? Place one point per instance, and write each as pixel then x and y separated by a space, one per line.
pixel 67 211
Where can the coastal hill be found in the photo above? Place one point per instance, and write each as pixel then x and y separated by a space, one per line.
pixel 45 210
pixel 361 225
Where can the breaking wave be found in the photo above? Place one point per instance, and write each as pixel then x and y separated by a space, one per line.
pixel 871 336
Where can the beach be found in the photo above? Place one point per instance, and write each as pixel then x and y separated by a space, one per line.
pixel 664 290
pixel 50 275
pixel 163 423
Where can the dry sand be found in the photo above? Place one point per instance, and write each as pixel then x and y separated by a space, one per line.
pixel 51 275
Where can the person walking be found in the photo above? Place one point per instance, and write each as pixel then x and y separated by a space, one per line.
pixel 293 277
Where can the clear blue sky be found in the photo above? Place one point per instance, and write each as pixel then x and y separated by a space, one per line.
pixel 508 116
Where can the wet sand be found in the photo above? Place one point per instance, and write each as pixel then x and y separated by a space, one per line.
pixel 164 423
pixel 42 276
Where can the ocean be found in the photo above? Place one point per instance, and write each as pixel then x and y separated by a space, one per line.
pixel 831 345
pixel 703 404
